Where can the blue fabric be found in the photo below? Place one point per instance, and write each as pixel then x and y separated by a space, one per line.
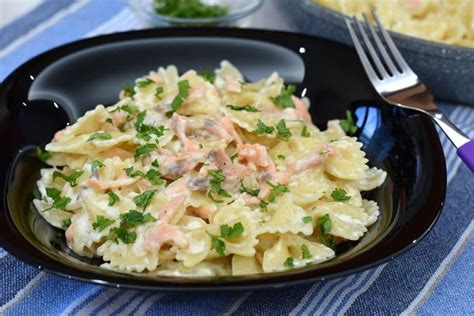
pixel 435 277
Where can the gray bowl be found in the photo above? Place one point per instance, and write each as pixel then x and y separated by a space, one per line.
pixel 446 69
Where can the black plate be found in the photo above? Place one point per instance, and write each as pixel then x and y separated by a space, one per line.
pixel 57 87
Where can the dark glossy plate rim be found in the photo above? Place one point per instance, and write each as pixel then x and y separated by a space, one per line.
pixel 286 278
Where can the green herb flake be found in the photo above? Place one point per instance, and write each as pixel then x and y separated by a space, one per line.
pixel 263 206
pixel 284 100
pixel 42 155
pixel 208 76
pixel 231 232
pixel 130 109
pixel 324 224
pixel 155 164
pixel 113 198
pixel 281 157
pixel 72 178
pixel 154 176
pixel 277 189
pixel 305 254
pixel 128 90
pixel 133 218
pixel 102 223
pixel 252 192
pixel 123 234
pixel 140 119
pixel 189 9
pixel 282 131
pixel 100 136
pixel 132 173
pixel 289 262
pixel 262 128
pixel 216 180
pixel 96 164
pixel 218 245
pixel 59 202
pixel 348 125
pixel 144 150
pixel 307 219
pixel 340 195
pixel 183 93
pixel 144 199
pixel 158 91
pixel 67 223
pixel 304 132
pixel 142 83
pixel 247 108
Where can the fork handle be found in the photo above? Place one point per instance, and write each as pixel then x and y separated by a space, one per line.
pixel 464 145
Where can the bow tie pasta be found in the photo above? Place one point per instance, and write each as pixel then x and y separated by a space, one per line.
pixel 206 175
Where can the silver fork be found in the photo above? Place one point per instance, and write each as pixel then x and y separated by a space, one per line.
pixel 397 84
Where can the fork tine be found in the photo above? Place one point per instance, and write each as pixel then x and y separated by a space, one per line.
pixel 372 52
pixel 391 45
pixel 363 57
pixel 386 57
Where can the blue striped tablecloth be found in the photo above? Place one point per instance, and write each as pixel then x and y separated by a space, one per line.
pixel 435 277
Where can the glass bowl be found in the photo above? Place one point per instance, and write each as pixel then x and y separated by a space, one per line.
pixel 239 15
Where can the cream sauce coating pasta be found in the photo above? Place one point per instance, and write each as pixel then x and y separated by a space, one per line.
pixel 206 175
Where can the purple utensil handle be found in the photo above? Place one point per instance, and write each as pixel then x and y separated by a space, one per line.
pixel 466 152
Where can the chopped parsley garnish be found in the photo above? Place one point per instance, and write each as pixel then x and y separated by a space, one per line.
pixel 72 178
pixel 252 192
pixel 289 262
pixel 129 220
pixel 247 108
pixel 263 206
pixel 262 128
pixel 142 83
pixel 132 173
pixel 183 93
pixel 144 199
pixel 348 125
pixel 140 119
pixel 304 132
pixel 128 90
pixel 282 131
pixel 154 176
pixel 59 202
pixel 123 234
pixel 96 164
pixel 102 223
pixel 67 223
pixel 130 109
pixel 216 179
pixel 324 224
pixel 144 150
pixel 113 198
pixel 218 245
pixel 307 219
pixel 189 9
pixel 155 163
pixel 42 155
pixel 133 218
pixel 277 189
pixel 208 76
pixel 284 99
pixel 305 254
pixel 100 136
pixel 109 120
pixel 146 131
pixel 231 232
pixel 340 195
pixel 159 90
pixel 281 157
